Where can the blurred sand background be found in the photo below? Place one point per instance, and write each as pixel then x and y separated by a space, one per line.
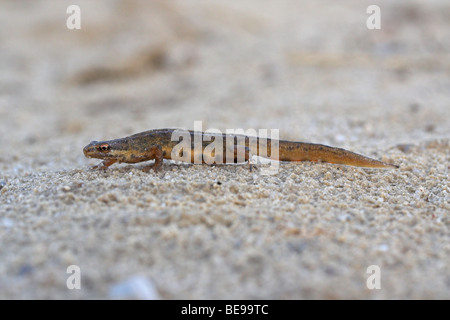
pixel 311 69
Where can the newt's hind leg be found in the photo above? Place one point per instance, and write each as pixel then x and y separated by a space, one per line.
pixel 244 151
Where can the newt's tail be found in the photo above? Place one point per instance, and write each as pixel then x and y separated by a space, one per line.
pixel 299 151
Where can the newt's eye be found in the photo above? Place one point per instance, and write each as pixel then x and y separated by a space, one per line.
pixel 104 147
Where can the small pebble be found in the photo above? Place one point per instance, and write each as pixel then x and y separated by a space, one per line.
pixel 405 147
pixel 383 247
pixel 25 270
pixel 137 287
pixel 7 223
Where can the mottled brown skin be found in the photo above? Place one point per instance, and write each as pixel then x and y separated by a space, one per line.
pixel 157 145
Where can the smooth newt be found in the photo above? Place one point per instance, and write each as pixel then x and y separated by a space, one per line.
pixel 158 145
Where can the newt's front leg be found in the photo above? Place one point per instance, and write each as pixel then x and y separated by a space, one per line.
pixel 155 152
pixel 104 164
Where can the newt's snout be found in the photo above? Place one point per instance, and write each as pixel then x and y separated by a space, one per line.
pixel 90 149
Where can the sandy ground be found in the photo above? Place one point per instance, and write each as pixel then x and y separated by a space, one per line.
pixel 310 69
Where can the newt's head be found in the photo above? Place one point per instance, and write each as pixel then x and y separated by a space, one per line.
pixel 99 150
pixel 113 149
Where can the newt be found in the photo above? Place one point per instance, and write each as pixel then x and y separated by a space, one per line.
pixel 158 145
